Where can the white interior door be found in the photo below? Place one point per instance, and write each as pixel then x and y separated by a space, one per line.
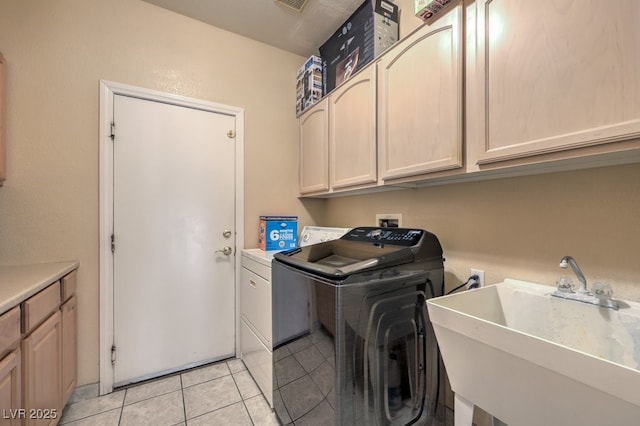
pixel 173 196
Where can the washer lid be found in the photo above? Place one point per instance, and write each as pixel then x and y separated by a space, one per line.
pixel 362 249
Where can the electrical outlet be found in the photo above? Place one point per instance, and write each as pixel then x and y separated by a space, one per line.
pixel 390 220
pixel 480 274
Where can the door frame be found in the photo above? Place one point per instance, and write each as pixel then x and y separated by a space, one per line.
pixel 108 90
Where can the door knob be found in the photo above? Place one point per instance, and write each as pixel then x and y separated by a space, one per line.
pixel 226 233
pixel 226 251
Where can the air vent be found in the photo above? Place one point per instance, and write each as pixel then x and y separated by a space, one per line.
pixel 296 5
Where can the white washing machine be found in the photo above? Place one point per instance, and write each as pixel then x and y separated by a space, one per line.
pixel 256 344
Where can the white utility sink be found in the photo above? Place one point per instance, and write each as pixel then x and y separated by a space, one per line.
pixel 532 359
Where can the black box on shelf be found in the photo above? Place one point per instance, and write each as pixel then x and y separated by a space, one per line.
pixel 369 31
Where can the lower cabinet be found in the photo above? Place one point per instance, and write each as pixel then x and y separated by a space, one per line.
pixel 69 347
pixel 42 378
pixel 38 355
pixel 10 389
pixel 3 91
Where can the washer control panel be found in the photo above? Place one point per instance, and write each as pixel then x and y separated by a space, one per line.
pixel 406 237
pixel 319 234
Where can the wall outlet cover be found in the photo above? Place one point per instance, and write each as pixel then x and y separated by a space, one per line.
pixel 389 220
pixel 480 274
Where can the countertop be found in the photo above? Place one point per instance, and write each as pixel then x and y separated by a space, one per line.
pixel 19 282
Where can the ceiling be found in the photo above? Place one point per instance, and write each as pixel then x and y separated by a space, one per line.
pixel 268 21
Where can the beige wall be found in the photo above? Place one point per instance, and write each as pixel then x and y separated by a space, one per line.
pixel 57 51
pixel 521 227
pixel 408 21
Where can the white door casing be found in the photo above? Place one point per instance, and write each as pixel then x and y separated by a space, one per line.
pixel 187 244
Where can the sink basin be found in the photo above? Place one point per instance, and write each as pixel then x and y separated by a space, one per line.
pixel 532 359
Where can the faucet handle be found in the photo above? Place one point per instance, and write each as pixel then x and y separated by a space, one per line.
pixel 565 284
pixel 602 290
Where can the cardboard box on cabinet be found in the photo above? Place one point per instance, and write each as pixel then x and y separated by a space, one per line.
pixel 370 30
pixel 430 10
pixel 309 84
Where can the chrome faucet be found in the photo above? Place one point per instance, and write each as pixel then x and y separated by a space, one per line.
pixel 603 292
pixel 570 261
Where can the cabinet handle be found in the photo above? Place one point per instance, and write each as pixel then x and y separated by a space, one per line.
pixel 252 283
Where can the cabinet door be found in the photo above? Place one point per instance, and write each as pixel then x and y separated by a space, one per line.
pixel 314 149
pixel 69 347
pixel 42 386
pixel 38 307
pixel 3 100
pixel 68 285
pixel 9 330
pixel 554 76
pixel 352 131
pixel 10 397
pixel 420 101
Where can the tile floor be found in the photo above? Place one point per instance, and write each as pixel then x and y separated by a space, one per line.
pixel 223 393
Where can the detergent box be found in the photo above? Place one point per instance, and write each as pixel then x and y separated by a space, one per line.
pixel 278 232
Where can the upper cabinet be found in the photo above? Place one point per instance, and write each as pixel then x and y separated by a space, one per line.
pixel 555 76
pixel 491 88
pixel 399 117
pixel 338 138
pixel 352 131
pixel 3 119
pixel 420 90
pixel 314 149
